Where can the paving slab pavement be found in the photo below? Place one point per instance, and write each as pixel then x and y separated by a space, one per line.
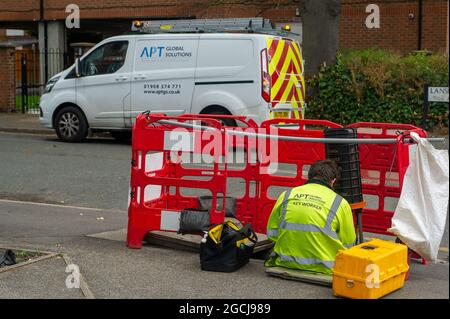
pixel 115 271
pixel 111 270
pixel 22 123
pixel 44 279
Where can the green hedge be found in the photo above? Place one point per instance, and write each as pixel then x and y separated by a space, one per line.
pixel 377 86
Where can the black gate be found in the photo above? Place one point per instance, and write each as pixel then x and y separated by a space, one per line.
pixel 32 69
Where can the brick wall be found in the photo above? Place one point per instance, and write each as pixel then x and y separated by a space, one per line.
pixel 7 85
pixel 397 32
pixel 23 10
pixel 435 25
pixel 281 10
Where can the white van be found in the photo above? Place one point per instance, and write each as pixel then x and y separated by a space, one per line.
pixel 174 73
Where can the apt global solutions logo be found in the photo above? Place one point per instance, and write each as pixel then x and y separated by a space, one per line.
pixel 151 53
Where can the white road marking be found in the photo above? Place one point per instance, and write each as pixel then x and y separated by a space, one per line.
pixel 60 206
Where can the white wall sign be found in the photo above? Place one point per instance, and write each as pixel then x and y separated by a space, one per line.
pixel 73 19
pixel 373 19
pixel 438 94
pixel 14 33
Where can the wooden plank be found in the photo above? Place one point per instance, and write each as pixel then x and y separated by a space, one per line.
pixel 46 255
pixel 174 240
pixel 192 242
pixel 300 275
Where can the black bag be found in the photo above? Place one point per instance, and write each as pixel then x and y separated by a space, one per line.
pixel 8 258
pixel 231 251
pixel 205 203
pixel 196 221
pixel 193 221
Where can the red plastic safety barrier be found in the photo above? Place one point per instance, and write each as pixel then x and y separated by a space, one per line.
pixel 160 175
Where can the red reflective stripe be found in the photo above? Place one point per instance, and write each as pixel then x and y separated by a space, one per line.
pixel 301 88
pixel 282 59
pixel 297 71
pixel 273 47
pixel 291 94
pixel 294 69
pixel 296 95
pixel 296 55
pixel 277 71
pixel 272 50
pixel 274 77
pixel 290 68
pixel 281 90
pixel 301 92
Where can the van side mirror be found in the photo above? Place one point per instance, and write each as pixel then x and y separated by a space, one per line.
pixel 78 68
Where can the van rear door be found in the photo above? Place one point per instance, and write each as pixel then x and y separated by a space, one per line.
pixel 287 94
pixel 226 74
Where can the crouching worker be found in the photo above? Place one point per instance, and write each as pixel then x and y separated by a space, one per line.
pixel 310 223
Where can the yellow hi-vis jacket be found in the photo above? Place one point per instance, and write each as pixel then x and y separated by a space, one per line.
pixel 309 224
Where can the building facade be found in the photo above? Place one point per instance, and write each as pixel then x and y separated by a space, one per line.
pixel 403 25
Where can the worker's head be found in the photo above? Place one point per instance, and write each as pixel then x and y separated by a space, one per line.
pixel 325 170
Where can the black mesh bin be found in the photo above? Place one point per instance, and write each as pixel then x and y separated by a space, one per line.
pixel 347 158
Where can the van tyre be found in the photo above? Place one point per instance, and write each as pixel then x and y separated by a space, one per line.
pixel 225 122
pixel 71 125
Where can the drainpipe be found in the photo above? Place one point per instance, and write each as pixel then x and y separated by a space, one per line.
pixel 420 22
pixel 446 47
pixel 41 19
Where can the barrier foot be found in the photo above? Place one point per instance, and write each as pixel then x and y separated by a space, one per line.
pixel 135 238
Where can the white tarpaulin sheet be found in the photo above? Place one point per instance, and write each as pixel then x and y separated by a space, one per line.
pixel 419 219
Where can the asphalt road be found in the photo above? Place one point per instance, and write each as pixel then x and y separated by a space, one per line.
pixel 40 168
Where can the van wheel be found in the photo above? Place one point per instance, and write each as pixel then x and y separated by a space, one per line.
pixel 71 125
pixel 122 136
pixel 226 122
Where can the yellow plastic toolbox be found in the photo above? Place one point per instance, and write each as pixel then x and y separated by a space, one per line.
pixel 370 270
